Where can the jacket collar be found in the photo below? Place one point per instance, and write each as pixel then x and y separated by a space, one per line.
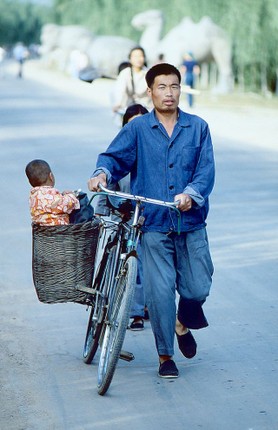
pixel 183 119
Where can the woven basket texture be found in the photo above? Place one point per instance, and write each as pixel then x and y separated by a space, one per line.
pixel 63 260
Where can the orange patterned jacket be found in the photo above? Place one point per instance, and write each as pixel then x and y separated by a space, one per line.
pixel 50 207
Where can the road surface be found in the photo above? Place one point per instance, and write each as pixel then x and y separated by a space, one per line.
pixel 232 382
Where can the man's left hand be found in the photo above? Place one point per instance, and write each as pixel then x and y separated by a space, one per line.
pixel 185 202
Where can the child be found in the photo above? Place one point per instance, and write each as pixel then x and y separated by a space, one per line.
pixel 47 205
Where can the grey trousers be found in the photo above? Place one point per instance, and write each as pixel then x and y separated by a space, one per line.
pixel 171 263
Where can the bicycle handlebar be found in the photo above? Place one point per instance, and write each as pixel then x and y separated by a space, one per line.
pixel 172 205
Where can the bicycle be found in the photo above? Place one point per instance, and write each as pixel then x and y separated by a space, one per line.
pixel 114 283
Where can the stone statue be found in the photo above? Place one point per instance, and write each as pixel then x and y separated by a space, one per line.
pixel 205 40
pixel 151 23
pixel 57 43
pixel 105 53
pixel 60 45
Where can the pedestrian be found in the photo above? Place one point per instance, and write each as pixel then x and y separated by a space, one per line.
pixel 130 86
pixel 47 205
pixel 20 54
pixel 138 310
pixel 190 69
pixel 2 60
pixel 169 155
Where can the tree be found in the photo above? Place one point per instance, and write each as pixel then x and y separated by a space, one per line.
pixel 251 24
pixel 21 21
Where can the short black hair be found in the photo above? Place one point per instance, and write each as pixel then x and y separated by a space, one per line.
pixel 133 110
pixel 161 69
pixel 37 172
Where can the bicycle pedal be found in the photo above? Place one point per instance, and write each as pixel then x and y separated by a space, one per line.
pixel 127 356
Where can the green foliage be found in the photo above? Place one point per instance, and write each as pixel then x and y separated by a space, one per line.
pixel 252 26
pixel 20 21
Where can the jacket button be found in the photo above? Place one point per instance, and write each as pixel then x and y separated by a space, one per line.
pixel 171 165
pixel 171 187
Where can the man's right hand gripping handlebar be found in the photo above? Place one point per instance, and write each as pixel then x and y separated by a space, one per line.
pixel 93 183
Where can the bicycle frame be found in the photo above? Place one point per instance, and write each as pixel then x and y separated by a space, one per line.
pixel 113 287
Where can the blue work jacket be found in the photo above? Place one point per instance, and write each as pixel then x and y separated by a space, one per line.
pixel 161 167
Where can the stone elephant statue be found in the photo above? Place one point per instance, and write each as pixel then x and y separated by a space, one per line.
pixel 63 47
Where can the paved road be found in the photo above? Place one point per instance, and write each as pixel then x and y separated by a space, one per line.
pixel 232 383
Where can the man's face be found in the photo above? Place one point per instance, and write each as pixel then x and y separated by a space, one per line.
pixel 165 93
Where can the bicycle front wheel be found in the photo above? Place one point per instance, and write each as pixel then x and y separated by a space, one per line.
pixel 117 323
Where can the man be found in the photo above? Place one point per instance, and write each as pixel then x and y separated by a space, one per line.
pixel 169 156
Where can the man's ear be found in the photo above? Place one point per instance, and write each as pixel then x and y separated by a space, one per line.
pixel 149 92
pixel 52 178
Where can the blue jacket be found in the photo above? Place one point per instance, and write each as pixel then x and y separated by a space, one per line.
pixel 161 167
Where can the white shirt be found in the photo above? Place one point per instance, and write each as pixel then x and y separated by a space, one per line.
pixel 126 93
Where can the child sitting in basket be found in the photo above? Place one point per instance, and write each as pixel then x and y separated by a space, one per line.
pixel 47 205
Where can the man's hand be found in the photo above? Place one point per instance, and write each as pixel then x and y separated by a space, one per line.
pixel 185 202
pixel 93 182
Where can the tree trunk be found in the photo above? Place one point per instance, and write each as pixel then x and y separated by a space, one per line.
pixel 263 79
pixel 204 76
pixel 241 83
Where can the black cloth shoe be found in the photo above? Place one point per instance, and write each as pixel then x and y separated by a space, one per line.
pixel 187 344
pixel 168 369
pixel 137 325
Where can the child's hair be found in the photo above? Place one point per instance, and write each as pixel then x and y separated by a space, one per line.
pixel 133 110
pixel 161 69
pixel 37 172
pixel 123 66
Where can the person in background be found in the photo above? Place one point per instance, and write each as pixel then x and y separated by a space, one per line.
pixel 160 59
pixel 190 69
pixel 2 60
pixel 138 310
pixel 47 205
pixel 130 87
pixel 169 155
pixel 20 53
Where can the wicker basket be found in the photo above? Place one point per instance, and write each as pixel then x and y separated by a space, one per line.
pixel 63 261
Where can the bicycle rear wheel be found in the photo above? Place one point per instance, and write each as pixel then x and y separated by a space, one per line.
pixel 92 335
pixel 117 323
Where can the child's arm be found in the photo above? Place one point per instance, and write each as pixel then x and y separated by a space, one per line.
pixel 65 202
